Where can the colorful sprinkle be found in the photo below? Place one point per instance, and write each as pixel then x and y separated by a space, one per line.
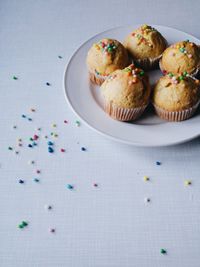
pixel 187 182
pixel 60 57
pixel 83 149
pixel 146 178
pixel 15 78
pixel 21 181
pixel 54 125
pixel 163 251
pixel 38 171
pixel 146 200
pixel 65 121
pixel 36 180
pixel 48 84
pixel 95 185
pixel 158 163
pixel 62 150
pixel 10 148
pixel 50 149
pixel 14 127
pixel 50 143
pixel 23 116
pixel 32 110
pixel 78 123
pixel 69 186
pixel 52 230
pixel 48 207
pixel 30 119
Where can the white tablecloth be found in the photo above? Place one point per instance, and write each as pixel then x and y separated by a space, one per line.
pixel 108 225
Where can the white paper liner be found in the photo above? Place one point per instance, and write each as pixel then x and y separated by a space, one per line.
pixel 123 114
pixel 176 115
pixel 97 79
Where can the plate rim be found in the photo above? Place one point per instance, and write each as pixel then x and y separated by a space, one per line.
pixel 116 139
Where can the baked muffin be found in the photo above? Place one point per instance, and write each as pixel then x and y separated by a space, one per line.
pixel 176 98
pixel 146 46
pixel 126 93
pixel 180 57
pixel 105 57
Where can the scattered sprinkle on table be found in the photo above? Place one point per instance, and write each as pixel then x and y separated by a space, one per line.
pixel 65 121
pixel 23 116
pixel 32 110
pixel 69 186
pixel 38 171
pixel 83 148
pixel 146 178
pixel 15 77
pixel 50 143
pixel 30 119
pixel 23 224
pixel 95 185
pixel 31 162
pixel 78 123
pixel 54 125
pixel 50 149
pixel 36 180
pixel 48 84
pixel 52 230
pixel 60 57
pixel 187 182
pixel 62 150
pixel 158 163
pixel 14 127
pixel 163 251
pixel 21 181
pixel 10 148
pixel 48 207
pixel 147 199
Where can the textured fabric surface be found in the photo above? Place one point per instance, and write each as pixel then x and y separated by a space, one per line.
pixel 108 226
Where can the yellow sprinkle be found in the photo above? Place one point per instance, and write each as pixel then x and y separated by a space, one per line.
pixel 54 125
pixel 187 182
pixel 55 135
pixel 146 178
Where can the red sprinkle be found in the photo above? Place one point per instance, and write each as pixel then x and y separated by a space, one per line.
pixel 35 137
pixel 96 185
pixel 38 171
pixel 65 121
pixel 62 150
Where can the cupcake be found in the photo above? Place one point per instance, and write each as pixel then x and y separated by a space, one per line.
pixel 146 46
pixel 180 57
pixel 176 98
pixel 126 93
pixel 105 57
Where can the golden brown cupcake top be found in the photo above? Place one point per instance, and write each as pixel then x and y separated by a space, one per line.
pixel 106 56
pixel 180 57
pixel 127 88
pixel 176 93
pixel 145 42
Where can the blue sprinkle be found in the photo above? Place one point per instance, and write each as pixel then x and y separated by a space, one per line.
pixel 50 149
pixel 36 180
pixel 29 145
pixel 48 84
pixel 158 163
pixel 21 181
pixel 59 56
pixel 34 144
pixel 23 116
pixel 50 143
pixel 69 186
pixel 29 119
pixel 83 148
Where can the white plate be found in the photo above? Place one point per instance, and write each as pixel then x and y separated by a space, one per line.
pixel 85 100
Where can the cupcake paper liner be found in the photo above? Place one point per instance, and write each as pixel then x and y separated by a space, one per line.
pixel 176 115
pixel 148 63
pixel 96 79
pixel 123 114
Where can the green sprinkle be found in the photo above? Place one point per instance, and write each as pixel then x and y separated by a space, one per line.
pixel 181 78
pixel 110 49
pixel 15 78
pixel 163 251
pixel 141 73
pixel 182 49
pixel 24 223
pixel 10 148
pixel 170 74
pixel 78 123
pixel 20 226
pixel 31 139
pixel 184 73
